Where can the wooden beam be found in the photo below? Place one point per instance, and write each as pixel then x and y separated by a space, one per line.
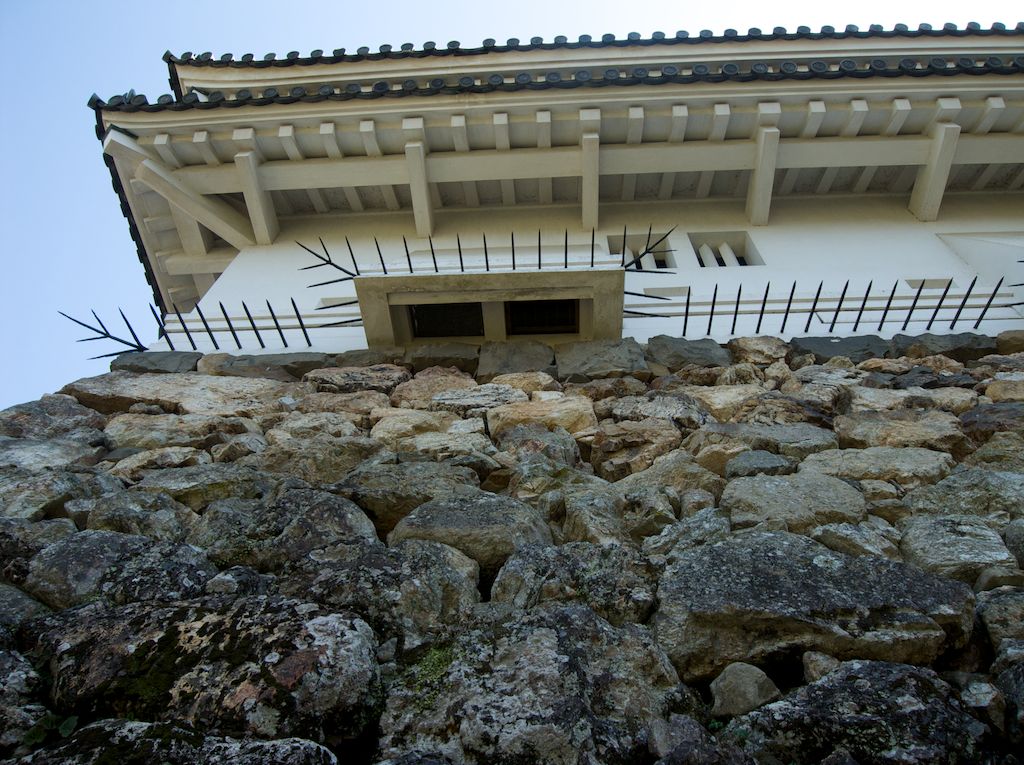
pixel 216 215
pixel 544 185
pixel 329 136
pixel 195 240
pixel 590 144
pixel 676 134
pixel 812 123
pixel 257 198
pixel 460 142
pixel 762 178
pixel 415 130
pixel 162 144
pixel 368 130
pixel 719 125
pixel 854 120
pixel 930 185
pixel 634 135
pixel 126 149
pixel 419 188
pixel 286 135
pixel 898 113
pixel 214 262
pixel 201 141
pixel 502 142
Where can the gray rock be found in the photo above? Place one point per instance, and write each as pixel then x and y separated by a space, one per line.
pixel 675 352
pixel 981 422
pixel 595 516
pixel 287 367
pixel 165 571
pixel 416 592
pixel 418 392
pixel 130 512
pixel 704 527
pixel 623 448
pixel 153 431
pixel 802 501
pixel 903 715
pixel 301 668
pixel 16 608
pixel 856 348
pixel 615 582
pixel 612 387
pixel 198 486
pixel 36 455
pixel 856 539
pixel 759 350
pixel 741 688
pixel 474 402
pixel 686 742
pixel 1003 451
pixel 579 362
pixel 237 447
pixel 647 513
pixel 485 527
pixel 370 357
pixel 954 546
pixel 1001 611
pixel 133 467
pixel 963 346
pixel 557 684
pixel 186 393
pixel 1013 537
pixel 534 438
pixel 685 411
pixel 758 462
pixel 925 428
pixel 34 496
pixel 20 714
pixel 156 361
pixel 795 440
pixel 239 581
pixel 71 571
pixel 759 595
pixel 509 357
pixel 816 665
pixel 907 466
pixel 174 744
pixel 995 496
pixel 383 378
pixel 675 470
pixel 388 493
pixel 287 526
pixel 55 416
pixel 459 355
pixel 320 460
pixel 1011 683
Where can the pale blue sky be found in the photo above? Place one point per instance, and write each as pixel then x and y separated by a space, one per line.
pixel 67 245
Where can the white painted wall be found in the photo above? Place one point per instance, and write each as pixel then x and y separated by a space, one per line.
pixel 808 240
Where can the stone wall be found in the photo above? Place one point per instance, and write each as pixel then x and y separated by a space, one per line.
pixel 602 552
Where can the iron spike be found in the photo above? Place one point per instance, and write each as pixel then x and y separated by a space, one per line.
pixel 331 281
pixel 383 267
pixel 963 303
pixel 711 316
pixel 408 258
pixel 352 255
pixel 302 325
pixel 764 303
pixel 433 257
pixel 988 303
pixel 888 303
pixel 230 326
pixel 184 326
pixel 863 305
pixel 736 310
pixel 487 257
pixel 138 343
pixel 592 234
pixel 938 306
pixel 163 330
pixel 253 324
pixel 336 305
pixel 686 313
pixel 789 304
pixel 814 307
pixel 538 251
pixel 913 305
pixel 839 307
pixel 641 294
pixel 206 326
pixel 566 250
pixel 458 243
pixel 277 324
pixel 513 235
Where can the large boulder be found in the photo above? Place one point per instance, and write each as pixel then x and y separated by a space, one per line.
pixel 675 470
pixel 574 413
pixel 418 392
pixel 321 459
pixel 856 348
pixel 184 393
pixel 557 684
pixel 267 667
pixel 156 516
pixel 619 449
pixel 579 362
pixel 927 429
pixel 474 402
pixel 175 744
pixel 907 466
pixel 759 597
pixel 287 367
pixel 984 420
pixel 615 581
pixel 509 357
pixel 380 377
pixel 198 486
pixel 795 440
pixel 21 716
pixel 53 416
pixel 35 455
pixel 397 425
pixel 523 441
pixel 759 350
pixel 486 527
pixel 685 411
pixel 801 501
pixel 741 688
pixel 676 352
pixel 964 346
pixel 954 546
pixel 156 362
pixel 996 496
pixel 34 496
pixel 414 593
pixel 133 467
pixel 866 712
pixel 462 356
pixel 21 539
pixel 153 431
pixel 723 402
pixel 388 493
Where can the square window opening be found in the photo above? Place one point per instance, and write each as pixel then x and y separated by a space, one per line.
pixel 447 320
pixel 542 317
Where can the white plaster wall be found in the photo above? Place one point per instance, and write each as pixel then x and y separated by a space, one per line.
pixel 809 240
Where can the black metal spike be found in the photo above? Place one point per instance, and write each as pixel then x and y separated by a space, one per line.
pixel 652 249
pixel 736 310
pixel 135 337
pixel 351 255
pixel 938 306
pixel 711 316
pixel 888 303
pixel 988 302
pixel 100 322
pixel 814 307
pixel 913 305
pixel 458 244
pixel 963 303
pixel 650 315
pixel 253 324
pixel 206 326
pixel 566 250
pixel 336 305
pixel 383 267
pixel 101 334
pixel 538 250
pixel 302 325
pixel 487 257
pixel 163 330
pixel 789 304
pixel 592 234
pixel 340 323
pixel 647 244
pixel 686 312
pixel 863 305
pixel 513 237
pixel 230 325
pixel 623 248
pixel 277 324
pixel 408 258
pixel 839 307
pixel 331 281
pixel 433 257
pixel 184 326
pixel 641 294
pixel 764 303
pixel 324 261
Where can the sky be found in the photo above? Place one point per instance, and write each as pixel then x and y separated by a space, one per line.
pixel 67 245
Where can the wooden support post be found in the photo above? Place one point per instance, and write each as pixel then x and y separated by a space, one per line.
pixel 930 185
pixel 257 199
pixel 762 177
pixel 419 188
